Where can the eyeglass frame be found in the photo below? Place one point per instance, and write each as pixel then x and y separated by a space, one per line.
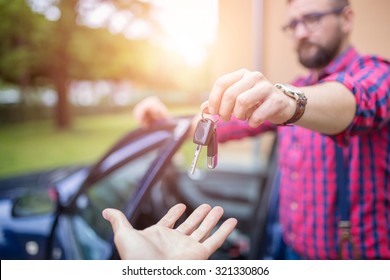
pixel 317 16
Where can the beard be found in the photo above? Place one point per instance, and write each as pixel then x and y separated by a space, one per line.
pixel 314 56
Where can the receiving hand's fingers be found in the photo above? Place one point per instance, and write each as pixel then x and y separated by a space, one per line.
pixel 192 222
pixel 172 216
pixel 217 238
pixel 116 218
pixel 208 224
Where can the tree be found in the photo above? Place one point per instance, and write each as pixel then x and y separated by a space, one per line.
pixel 66 60
pixel 22 35
pixel 35 50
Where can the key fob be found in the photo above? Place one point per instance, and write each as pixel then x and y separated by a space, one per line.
pixel 212 151
pixel 203 132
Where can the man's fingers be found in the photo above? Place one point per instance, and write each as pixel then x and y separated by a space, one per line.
pixel 193 221
pixel 232 95
pixel 149 110
pixel 217 238
pixel 172 216
pixel 205 106
pixel 219 88
pixel 116 218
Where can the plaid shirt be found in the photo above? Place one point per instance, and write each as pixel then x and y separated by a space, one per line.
pixel 308 207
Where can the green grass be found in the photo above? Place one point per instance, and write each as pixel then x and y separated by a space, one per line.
pixel 38 145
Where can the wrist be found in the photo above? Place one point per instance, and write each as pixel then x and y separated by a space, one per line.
pixel 300 100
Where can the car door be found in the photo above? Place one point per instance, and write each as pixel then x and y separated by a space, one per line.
pixel 122 179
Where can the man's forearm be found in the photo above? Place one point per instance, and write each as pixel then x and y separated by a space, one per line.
pixel 330 108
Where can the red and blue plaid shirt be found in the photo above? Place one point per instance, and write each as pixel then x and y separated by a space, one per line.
pixel 307 166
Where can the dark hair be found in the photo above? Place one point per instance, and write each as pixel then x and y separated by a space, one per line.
pixel 337 3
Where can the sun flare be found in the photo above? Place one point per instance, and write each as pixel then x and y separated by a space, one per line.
pixel 189 26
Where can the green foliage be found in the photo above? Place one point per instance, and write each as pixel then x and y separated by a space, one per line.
pixel 98 54
pixel 36 52
pixel 22 37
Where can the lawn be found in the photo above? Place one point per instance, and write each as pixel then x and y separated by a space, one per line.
pixel 38 145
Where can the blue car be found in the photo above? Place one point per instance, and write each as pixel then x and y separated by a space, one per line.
pixel 56 214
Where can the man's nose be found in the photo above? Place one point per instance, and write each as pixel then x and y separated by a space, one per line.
pixel 301 31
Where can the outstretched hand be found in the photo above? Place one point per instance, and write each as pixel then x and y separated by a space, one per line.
pixel 190 240
pixel 149 110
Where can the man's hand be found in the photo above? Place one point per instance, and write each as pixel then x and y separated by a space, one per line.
pixel 250 96
pixel 330 109
pixel 190 240
pixel 149 110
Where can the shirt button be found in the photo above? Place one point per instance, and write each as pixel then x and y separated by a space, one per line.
pixel 293 206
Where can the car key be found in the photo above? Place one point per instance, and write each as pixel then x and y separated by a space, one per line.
pixel 212 150
pixel 203 132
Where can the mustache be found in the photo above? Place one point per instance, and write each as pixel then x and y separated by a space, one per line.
pixel 305 44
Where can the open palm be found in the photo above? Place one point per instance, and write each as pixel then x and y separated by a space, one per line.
pixel 190 240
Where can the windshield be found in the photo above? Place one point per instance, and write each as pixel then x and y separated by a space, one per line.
pixel 90 229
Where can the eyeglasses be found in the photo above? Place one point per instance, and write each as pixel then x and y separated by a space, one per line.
pixel 310 21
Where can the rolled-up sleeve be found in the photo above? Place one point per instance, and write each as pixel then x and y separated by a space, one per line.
pixel 369 80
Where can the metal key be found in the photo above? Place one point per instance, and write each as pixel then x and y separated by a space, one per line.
pixel 203 133
pixel 212 150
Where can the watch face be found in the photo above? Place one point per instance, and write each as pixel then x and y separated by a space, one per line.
pixel 289 90
pixel 292 88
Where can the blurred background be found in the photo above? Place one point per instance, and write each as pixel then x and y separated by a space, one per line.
pixel 71 71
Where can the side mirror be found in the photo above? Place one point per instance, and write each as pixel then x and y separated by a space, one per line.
pixel 36 203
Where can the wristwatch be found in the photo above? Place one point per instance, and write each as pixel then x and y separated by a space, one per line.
pixel 299 97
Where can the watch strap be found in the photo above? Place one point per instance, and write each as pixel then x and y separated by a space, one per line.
pixel 300 99
pixel 301 105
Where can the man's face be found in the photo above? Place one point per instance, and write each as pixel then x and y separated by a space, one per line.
pixel 316 31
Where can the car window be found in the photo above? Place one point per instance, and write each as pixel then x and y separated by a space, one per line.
pixel 251 154
pixel 90 229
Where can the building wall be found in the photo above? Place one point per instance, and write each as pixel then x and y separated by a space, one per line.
pixel 235 45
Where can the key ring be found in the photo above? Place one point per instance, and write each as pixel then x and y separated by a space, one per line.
pixel 203 117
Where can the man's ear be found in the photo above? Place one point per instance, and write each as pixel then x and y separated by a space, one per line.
pixel 348 17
